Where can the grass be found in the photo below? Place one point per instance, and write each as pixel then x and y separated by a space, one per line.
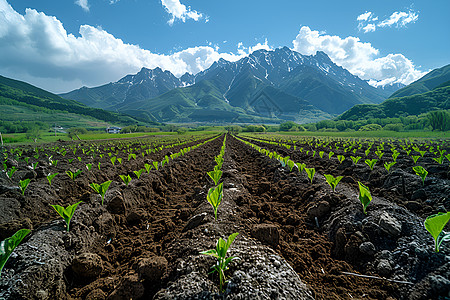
pixel 371 134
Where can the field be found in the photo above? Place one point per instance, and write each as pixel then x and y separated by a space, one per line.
pixel 298 239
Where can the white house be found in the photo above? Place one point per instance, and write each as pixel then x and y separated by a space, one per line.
pixel 113 129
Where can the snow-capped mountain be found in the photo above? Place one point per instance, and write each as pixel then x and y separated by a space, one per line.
pixel 291 83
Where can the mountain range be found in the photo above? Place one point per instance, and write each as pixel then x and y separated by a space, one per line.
pixel 266 86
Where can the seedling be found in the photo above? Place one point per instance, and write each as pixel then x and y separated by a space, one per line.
pixel 439 159
pixel 139 173
pixel 330 154
pixel 219 161
pixel 301 166
pixel 333 181
pixel 291 165
pixel 364 196
pixel 340 158
pixel 435 225
pixel 448 157
pixel 310 172
pixel 88 166
pixel 155 164
pixel 222 261
pixel 11 172
pixel 73 175
pixel 50 177
pixel 355 159
pixel 66 213
pixel 70 160
pixel 119 159
pixel 125 178
pixel 101 188
pixel 371 162
pixel 148 167
pixel 8 245
pixel 395 154
pixel 54 162
pixel 215 175
pixel 321 154
pixel 214 197
pixel 415 158
pixel 379 154
pixel 420 171
pixel 23 185
pixel 113 160
pixel 98 166
pixel 388 166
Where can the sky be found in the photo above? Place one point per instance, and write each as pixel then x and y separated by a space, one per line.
pixel 66 44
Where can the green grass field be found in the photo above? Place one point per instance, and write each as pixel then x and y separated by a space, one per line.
pixel 371 134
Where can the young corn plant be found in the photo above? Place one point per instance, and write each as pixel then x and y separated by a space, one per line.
pixel 73 175
pixel 222 261
pixel 388 166
pixel 156 165
pixel 125 178
pixel 439 159
pixel 330 154
pixel 11 172
pixel 435 225
pixel 415 158
pixel 214 197
pixel 333 181
pixel 364 196
pixel 291 165
pixel 8 245
pixel 421 172
pixel 66 213
pixel 148 167
pixel 371 162
pixel 88 167
pixel 23 184
pixel 355 159
pixel 340 158
pixel 310 172
pixel 215 175
pixel 50 177
pixel 301 167
pixel 139 173
pixel 101 188
pixel 321 154
pixel 113 160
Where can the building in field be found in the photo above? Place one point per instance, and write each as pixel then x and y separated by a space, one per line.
pixel 113 129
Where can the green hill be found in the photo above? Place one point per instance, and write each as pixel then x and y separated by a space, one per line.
pixel 427 83
pixel 32 99
pixel 436 99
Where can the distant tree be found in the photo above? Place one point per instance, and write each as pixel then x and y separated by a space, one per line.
pixel 75 131
pixel 33 133
pixel 182 130
pixel 288 126
pixel 370 127
pixel 439 120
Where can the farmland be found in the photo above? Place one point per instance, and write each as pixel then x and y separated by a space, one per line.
pixel 299 235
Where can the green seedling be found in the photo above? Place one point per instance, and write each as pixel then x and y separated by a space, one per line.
pixel 26 160
pixel 34 166
pixel 388 166
pixel 139 173
pixel 219 161
pixel 88 166
pixel 11 172
pixel 301 166
pixel 364 196
pixel 23 185
pixel 98 166
pixel 321 153
pixel 66 213
pixel 156 165
pixel 439 159
pixel 340 158
pixel 291 165
pixel 73 175
pixel 214 197
pixel 379 154
pixel 448 157
pixel 371 162
pixel 215 175
pixel 70 160
pixel 101 188
pixel 310 172
pixel 119 159
pixel 131 156
pixel 125 178
pixel 367 152
pixel 79 158
pixel 333 181
pixel 355 159
pixel 422 153
pixel 415 158
pixel 54 162
pixel 50 177
pixel 8 245
pixel 395 154
pixel 330 154
pixel 222 261
pixel 420 171
pixel 314 153
pixel 148 167
pixel 435 225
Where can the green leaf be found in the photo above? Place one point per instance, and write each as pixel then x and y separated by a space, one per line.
pixel 50 177
pixel 310 172
pixel 388 166
pixel 215 175
pixel 364 196
pixel 139 173
pixel 371 162
pixel 355 159
pixel 332 181
pixel 8 245
pixel 66 213
pixel 214 197
pixel 420 171
pixel 101 188
pixel 125 178
pixel 434 225
pixel 23 185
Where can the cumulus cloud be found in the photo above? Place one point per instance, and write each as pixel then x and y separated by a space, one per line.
pixel 244 51
pixel 180 11
pixel 37 47
pixel 360 58
pixel 367 20
pixel 83 4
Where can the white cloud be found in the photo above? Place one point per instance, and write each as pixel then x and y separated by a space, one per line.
pixel 179 11
pixel 360 58
pixel 37 47
pixel 83 4
pixel 366 21
pixel 365 16
pixel 399 19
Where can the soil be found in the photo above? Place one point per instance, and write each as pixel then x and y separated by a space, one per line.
pixel 297 240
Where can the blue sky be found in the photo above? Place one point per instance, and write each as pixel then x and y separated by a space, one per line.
pixel 63 45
